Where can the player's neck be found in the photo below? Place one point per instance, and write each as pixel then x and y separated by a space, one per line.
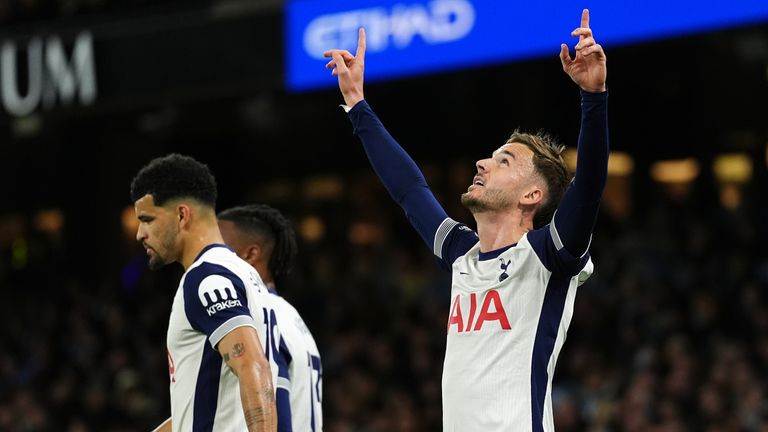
pixel 500 229
pixel 262 268
pixel 196 240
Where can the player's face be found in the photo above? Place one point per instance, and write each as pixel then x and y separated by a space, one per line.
pixel 500 179
pixel 158 232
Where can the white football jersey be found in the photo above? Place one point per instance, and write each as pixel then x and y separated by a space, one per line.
pixel 302 375
pixel 218 293
pixel 510 310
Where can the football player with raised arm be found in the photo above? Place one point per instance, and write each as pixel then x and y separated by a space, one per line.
pixel 514 280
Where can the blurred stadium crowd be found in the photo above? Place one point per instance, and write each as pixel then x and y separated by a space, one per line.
pixel 669 335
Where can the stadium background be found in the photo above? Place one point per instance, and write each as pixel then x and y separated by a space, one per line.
pixel 671 334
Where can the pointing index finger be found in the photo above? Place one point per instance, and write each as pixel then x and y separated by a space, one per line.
pixel 585 18
pixel 360 53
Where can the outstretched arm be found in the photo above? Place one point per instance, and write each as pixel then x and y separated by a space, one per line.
pixel 397 171
pixel 577 212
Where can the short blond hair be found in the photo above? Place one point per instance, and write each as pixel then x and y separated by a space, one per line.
pixel 549 164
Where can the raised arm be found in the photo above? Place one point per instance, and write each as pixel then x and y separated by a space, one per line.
pixel 241 350
pixel 397 171
pixel 577 212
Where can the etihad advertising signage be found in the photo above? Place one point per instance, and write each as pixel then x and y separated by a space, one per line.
pixel 406 37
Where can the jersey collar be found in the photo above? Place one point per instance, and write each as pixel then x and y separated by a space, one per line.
pixel 209 247
pixel 484 256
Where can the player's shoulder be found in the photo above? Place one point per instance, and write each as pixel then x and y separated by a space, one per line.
pixel 288 315
pixel 284 308
pixel 214 262
pixel 450 226
pixel 219 254
pixel 546 244
pixel 536 238
pixel 453 239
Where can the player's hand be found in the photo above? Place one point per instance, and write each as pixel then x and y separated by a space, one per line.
pixel 588 69
pixel 349 69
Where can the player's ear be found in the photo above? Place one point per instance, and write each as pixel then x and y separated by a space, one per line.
pixel 253 254
pixel 184 214
pixel 532 196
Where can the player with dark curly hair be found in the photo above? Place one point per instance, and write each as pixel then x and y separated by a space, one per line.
pixel 212 318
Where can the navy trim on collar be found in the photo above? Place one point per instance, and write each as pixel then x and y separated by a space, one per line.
pixel 485 256
pixel 209 247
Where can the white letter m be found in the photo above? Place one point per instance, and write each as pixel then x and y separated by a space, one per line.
pixel 216 287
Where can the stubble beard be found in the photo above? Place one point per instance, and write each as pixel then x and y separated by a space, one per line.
pixel 156 262
pixel 167 243
pixel 490 200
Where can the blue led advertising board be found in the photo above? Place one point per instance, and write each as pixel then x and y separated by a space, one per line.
pixel 406 37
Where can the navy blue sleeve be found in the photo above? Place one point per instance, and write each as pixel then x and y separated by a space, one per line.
pixel 282 358
pixel 283 389
pixel 556 260
pixel 575 217
pixel 398 172
pixel 456 241
pixel 215 301
pixel 283 403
